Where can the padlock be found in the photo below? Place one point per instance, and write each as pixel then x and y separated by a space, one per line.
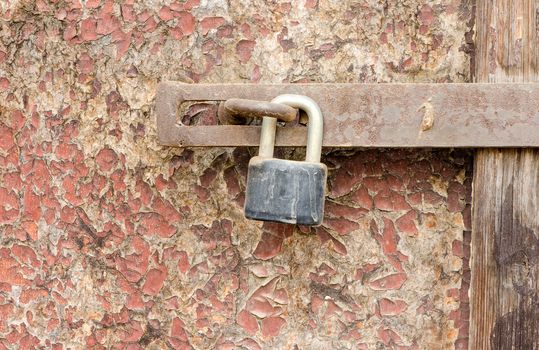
pixel 283 190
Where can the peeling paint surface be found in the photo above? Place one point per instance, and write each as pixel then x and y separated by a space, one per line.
pixel 109 240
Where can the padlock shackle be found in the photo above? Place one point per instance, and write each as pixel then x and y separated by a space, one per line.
pixel 315 127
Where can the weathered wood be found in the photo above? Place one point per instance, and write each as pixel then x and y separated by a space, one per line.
pixel 504 300
pixel 505 250
pixel 365 115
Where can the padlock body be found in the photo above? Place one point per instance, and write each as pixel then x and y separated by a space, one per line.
pixel 285 191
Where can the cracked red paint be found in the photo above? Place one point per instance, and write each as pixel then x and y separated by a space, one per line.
pixel 110 240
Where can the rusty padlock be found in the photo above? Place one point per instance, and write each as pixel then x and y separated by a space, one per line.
pixel 283 190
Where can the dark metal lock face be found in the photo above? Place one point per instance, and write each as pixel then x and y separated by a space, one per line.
pixel 285 191
pixel 288 191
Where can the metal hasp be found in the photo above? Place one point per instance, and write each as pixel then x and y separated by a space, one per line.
pixel 238 111
pixel 283 190
pixel 367 115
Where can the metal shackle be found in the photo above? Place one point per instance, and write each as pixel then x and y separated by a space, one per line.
pixel 315 127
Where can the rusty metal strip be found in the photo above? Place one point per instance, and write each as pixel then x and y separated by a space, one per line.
pixel 369 115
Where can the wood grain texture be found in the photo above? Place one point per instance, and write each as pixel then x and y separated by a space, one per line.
pixel 505 246
pixel 505 250
pixel 506 41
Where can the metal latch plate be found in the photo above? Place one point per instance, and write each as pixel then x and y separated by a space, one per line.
pixel 369 115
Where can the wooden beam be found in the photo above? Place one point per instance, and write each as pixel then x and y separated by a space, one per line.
pixel 504 300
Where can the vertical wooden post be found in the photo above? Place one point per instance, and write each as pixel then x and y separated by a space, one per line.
pixel 505 241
